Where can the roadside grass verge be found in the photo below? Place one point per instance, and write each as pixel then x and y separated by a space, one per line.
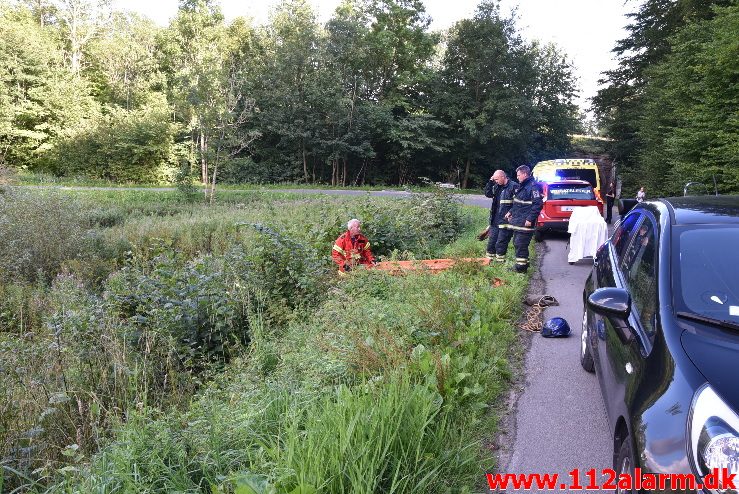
pixel 388 385
pixel 112 302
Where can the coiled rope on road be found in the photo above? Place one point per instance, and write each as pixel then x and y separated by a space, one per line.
pixel 532 321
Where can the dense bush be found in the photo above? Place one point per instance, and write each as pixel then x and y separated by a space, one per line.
pixel 122 146
pixel 38 232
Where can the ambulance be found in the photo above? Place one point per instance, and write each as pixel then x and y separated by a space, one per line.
pixel 569 169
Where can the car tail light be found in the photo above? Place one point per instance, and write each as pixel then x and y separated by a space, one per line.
pixel 714 440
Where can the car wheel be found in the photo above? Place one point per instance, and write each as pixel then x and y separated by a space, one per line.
pixel 586 357
pixel 625 463
pixel 538 235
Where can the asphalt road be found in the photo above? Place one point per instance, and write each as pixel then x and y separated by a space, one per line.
pixel 560 419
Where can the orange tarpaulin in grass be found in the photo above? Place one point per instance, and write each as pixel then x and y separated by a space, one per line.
pixel 431 265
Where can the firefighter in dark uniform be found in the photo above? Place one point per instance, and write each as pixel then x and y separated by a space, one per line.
pixel 527 204
pixel 500 190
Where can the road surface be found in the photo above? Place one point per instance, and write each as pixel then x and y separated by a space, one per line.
pixel 560 419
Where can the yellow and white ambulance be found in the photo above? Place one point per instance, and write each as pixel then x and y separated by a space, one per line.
pixel 569 169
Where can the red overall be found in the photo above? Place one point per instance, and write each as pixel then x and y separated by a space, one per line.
pixel 350 251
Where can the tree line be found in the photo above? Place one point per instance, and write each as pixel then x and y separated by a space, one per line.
pixel 672 105
pixel 371 96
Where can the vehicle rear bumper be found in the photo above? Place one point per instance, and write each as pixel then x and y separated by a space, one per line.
pixel 553 226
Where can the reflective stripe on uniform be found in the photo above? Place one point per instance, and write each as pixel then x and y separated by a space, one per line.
pixel 339 249
pixel 505 201
pixel 489 255
pixel 366 246
pixel 499 258
pixel 521 228
pixel 522 259
pixel 516 199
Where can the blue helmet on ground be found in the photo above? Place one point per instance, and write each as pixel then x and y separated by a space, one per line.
pixel 555 327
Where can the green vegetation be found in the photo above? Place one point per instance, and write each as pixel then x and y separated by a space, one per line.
pixel 370 97
pixel 591 145
pixel 164 345
pixel 671 105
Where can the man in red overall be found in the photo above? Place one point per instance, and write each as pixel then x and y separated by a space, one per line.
pixel 352 248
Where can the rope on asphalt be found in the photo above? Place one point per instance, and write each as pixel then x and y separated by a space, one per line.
pixel 532 321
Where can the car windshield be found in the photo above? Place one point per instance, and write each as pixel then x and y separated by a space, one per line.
pixel 570 191
pixel 706 270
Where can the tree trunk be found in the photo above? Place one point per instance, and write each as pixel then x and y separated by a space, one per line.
pixel 345 173
pixel 305 163
pixel 191 158
pixel 466 174
pixel 203 162
pixel 213 182
pixel 217 160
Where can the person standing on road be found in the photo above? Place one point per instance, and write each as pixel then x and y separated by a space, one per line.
pixel 352 248
pixel 641 195
pixel 527 204
pixel 500 189
pixel 610 197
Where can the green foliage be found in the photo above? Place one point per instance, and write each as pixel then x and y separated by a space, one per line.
pixel 368 98
pixel 99 379
pixel 199 306
pixel 423 356
pixel 38 233
pixel 385 436
pixel 123 146
pixel 145 297
pixel 288 273
pixel 506 102
pixel 586 144
pixel 691 120
pixel 123 64
pixel 39 99
pixel 665 106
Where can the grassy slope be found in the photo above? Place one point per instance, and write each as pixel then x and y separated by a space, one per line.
pixel 389 386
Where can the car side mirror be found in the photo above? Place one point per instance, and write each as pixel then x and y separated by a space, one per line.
pixel 615 305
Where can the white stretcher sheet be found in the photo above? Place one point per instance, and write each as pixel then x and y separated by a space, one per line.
pixel 588 231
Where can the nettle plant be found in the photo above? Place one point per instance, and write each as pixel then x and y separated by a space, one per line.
pixel 198 306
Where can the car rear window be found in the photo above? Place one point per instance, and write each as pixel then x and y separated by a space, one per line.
pixel 707 271
pixel 569 191
pixel 587 174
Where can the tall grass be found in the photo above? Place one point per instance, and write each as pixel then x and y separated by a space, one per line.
pixel 214 350
pixel 388 436
pixel 344 408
